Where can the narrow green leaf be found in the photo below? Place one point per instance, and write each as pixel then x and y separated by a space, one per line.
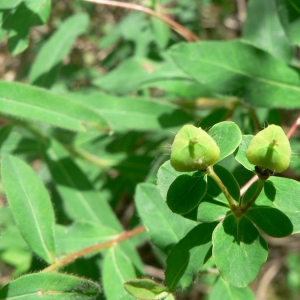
pixel 222 290
pixel 142 71
pixel 23 101
pixel 80 199
pixel 29 13
pixel 187 257
pixel 186 192
pixel 139 114
pixel 250 73
pixel 263 28
pixel 270 220
pixel 117 269
pixel 165 227
pixel 46 286
pixel 227 135
pixel 240 153
pixel 31 206
pixel 80 235
pixel 146 289
pixel 51 55
pixel 239 250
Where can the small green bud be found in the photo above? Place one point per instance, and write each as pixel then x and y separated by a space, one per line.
pixel 270 149
pixel 193 149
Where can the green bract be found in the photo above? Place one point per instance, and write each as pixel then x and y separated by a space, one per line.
pixel 193 149
pixel 270 149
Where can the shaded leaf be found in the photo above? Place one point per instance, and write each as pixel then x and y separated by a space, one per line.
pixel 52 53
pixel 165 176
pixel 283 194
pixel 186 192
pixel 187 257
pixel 270 220
pixel 28 13
pixel 80 199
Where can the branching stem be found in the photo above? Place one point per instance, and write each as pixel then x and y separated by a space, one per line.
pixel 210 172
pixel 259 188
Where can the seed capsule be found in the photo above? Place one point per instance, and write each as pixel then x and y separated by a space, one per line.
pixel 270 149
pixel 193 149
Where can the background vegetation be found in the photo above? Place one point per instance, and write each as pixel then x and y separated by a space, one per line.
pixel 91 97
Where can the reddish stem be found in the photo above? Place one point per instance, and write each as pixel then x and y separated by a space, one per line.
pixel 70 258
pixel 289 134
pixel 187 34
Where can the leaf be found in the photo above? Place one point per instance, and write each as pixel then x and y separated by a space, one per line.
pixel 239 250
pixel 125 113
pixel 50 286
pixel 31 206
pixel 80 235
pixel 146 289
pixel 9 4
pixel 290 18
pixel 222 290
pixel 187 257
pixel 161 32
pixel 263 29
pixel 227 135
pixel 283 194
pixel 235 67
pixel 29 13
pixel 165 228
pixel 23 101
pixel 117 269
pixel 210 210
pixel 51 55
pixel 240 153
pixel 165 176
pixel 186 192
pixel 142 71
pixel 270 220
pixel 80 199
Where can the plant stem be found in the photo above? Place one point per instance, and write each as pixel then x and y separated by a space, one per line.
pixel 259 188
pixel 73 256
pixel 184 32
pixel 210 172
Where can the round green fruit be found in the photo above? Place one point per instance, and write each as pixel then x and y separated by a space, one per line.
pixel 193 149
pixel 270 149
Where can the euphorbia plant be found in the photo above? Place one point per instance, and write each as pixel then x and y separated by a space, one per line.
pixel 222 225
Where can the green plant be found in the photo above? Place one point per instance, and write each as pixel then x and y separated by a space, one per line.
pixel 87 190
